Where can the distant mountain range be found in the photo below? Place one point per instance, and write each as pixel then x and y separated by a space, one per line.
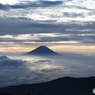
pixel 42 50
pixel 61 86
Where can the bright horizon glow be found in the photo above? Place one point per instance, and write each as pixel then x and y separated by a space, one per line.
pixel 81 49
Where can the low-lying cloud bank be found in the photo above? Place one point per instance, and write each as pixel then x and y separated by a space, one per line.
pixel 22 71
pixel 15 71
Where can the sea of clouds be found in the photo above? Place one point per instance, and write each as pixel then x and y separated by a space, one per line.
pixel 25 70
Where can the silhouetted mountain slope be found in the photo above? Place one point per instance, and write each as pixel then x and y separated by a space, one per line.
pixel 42 50
pixel 3 57
pixel 62 86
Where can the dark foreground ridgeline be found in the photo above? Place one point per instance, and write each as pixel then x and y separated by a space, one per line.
pixel 61 86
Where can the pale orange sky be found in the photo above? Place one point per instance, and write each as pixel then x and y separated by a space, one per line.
pixel 84 49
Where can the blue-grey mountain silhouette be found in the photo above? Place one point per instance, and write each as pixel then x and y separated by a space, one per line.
pixel 42 50
pixel 3 57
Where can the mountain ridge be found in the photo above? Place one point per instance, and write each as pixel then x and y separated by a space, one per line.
pixel 60 86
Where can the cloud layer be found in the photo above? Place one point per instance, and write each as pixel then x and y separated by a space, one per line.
pixel 17 71
pixel 25 19
pixel 22 70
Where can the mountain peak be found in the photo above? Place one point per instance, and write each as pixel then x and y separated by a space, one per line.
pixel 42 50
pixel 43 47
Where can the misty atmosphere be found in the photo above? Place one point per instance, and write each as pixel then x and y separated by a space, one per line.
pixel 47 47
pixel 25 69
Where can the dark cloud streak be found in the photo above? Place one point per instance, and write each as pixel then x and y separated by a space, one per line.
pixel 73 15
pixel 3 7
pixel 28 26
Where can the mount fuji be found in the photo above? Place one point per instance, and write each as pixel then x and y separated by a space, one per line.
pixel 42 51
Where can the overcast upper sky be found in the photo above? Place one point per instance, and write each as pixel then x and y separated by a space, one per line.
pixel 64 26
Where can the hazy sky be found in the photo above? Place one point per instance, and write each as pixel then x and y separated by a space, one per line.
pixel 64 26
